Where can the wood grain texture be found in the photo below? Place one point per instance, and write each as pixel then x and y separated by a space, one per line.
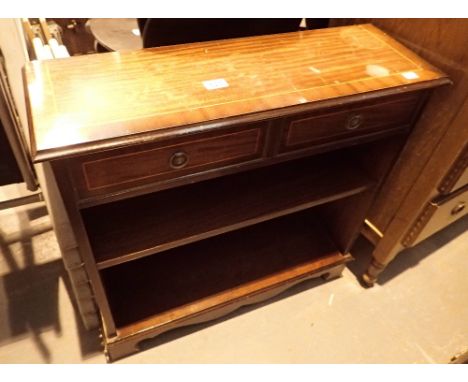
pixel 425 187
pixel 175 217
pixel 209 242
pixel 457 176
pixel 351 121
pixel 436 142
pixel 122 169
pixel 241 146
pixel 123 346
pixel 442 42
pixel 156 163
pixel 72 214
pixel 189 280
pixel 78 101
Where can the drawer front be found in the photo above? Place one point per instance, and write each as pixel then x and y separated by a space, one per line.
pixel 121 169
pixel 436 216
pixel 349 122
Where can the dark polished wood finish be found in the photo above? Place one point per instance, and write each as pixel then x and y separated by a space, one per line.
pixel 193 280
pixel 164 220
pixel 210 267
pixel 116 170
pixel 442 41
pixel 354 120
pixel 208 165
pixel 122 94
pixel 433 162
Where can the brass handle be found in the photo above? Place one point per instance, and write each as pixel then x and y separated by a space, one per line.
pixel 178 160
pixel 354 121
pixel 458 208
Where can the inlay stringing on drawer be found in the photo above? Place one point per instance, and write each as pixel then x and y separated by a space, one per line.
pixel 120 169
pixel 351 121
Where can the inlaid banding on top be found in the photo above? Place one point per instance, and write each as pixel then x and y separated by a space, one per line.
pixel 83 101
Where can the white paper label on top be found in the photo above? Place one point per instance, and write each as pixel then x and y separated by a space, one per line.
pixel 410 75
pixel 218 83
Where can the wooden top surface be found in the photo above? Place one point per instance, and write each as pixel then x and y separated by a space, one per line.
pixel 86 103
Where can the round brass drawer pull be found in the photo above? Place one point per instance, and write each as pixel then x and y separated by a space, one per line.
pixel 178 160
pixel 458 208
pixel 354 121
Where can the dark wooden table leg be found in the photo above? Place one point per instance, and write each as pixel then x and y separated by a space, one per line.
pixel 370 276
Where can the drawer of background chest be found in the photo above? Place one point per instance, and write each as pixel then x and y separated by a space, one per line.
pixel 120 169
pixel 438 214
pixel 349 122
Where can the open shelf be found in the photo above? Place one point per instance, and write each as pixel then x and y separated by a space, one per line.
pixel 170 218
pixel 191 279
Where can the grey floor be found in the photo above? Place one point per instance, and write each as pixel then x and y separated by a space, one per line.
pixel 417 314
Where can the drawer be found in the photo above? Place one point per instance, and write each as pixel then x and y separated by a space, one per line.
pixel 349 122
pixel 437 215
pixel 121 169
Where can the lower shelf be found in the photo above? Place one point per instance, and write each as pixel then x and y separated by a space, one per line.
pixel 187 281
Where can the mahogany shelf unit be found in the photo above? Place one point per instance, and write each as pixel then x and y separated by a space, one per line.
pixel 188 201
pixel 190 279
pixel 182 215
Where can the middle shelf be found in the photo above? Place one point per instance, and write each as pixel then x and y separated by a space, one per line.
pixel 179 216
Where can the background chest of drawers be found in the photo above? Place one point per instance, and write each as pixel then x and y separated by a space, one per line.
pixel 208 176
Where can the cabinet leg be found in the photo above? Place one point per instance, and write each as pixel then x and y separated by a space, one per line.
pixel 370 276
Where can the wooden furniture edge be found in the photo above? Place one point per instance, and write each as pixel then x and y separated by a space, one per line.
pixel 121 346
pixel 184 130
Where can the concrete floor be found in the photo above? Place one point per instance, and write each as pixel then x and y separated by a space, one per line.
pixel 417 314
